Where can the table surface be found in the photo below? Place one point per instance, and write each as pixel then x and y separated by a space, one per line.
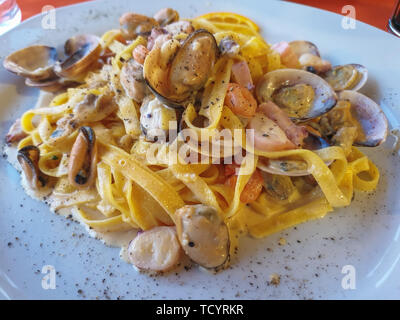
pixel 373 12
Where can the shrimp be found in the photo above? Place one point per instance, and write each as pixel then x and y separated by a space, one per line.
pixel 240 100
pixel 139 53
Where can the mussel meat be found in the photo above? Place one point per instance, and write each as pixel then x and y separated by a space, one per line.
pixel 187 72
pixel 83 159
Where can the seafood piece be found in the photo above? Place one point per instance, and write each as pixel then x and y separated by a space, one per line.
pixel 309 57
pixel 83 159
pixel 240 100
pixel 300 47
pixel 228 46
pixel 295 133
pixel 347 77
pixel 155 119
pixel 373 124
pixel 288 56
pixel 279 187
pixel 65 127
pixel 95 107
pixel 166 16
pixel 203 235
pixel 132 80
pixel 157 249
pixel 301 94
pixel 82 51
pixel 179 27
pixel 139 54
pixel 133 25
pixel 35 62
pixel 28 158
pixel 241 74
pixel 159 36
pixel 15 133
pixel 314 64
pixel 290 167
pixel 267 135
pixel 187 72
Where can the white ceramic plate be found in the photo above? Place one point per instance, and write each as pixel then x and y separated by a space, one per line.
pixel 366 235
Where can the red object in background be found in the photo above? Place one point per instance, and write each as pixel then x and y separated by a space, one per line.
pixel 373 12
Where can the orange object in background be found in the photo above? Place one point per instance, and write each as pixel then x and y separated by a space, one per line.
pixel 373 12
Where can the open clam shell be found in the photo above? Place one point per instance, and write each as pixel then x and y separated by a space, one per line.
pixel 347 77
pixel 373 122
pixel 187 72
pixel 82 51
pixel 303 95
pixel 33 62
pixel 293 168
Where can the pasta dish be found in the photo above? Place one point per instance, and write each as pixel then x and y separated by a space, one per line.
pixel 173 137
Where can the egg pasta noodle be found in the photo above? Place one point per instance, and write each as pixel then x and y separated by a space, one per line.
pixel 131 191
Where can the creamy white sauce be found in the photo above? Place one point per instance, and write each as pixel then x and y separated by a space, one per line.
pixel 114 239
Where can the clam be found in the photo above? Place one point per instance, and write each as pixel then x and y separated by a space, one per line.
pixel 82 51
pixel 83 159
pixel 166 16
pixel 34 62
pixel 188 71
pixel 293 168
pixel 373 124
pixel 309 57
pixel 301 47
pixel 303 95
pixel 133 25
pixel 203 235
pixel 347 77
pixel 28 158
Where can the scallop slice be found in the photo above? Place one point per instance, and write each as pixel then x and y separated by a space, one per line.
pixel 157 249
pixel 372 120
pixel 347 77
pixel 34 62
pixel 303 95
